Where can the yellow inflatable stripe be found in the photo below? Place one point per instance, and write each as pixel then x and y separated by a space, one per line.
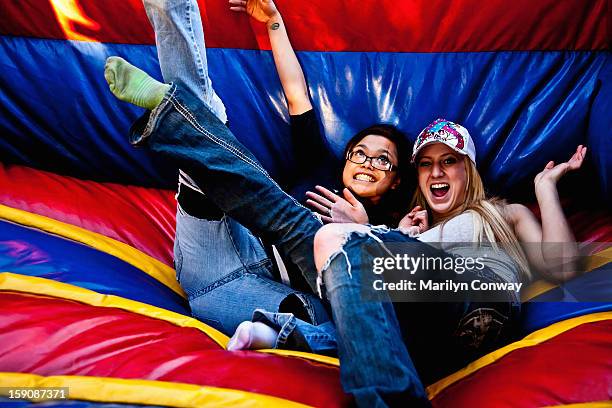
pixel 149 392
pixel 536 289
pixel 533 339
pixel 541 286
pixel 309 356
pixel 601 258
pixel 48 287
pixel 149 265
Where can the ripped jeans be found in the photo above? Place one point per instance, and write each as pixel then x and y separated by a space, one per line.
pixel 388 350
pixel 181 49
pixel 378 341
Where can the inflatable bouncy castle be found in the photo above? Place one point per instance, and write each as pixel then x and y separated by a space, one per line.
pixel 88 296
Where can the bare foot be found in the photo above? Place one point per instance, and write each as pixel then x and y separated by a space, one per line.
pixel 252 336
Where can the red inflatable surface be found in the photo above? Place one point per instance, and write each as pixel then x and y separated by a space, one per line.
pixel 573 367
pixel 50 336
pixel 75 339
pixel 110 209
pixel 463 25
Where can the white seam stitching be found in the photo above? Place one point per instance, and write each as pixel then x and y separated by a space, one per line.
pixel 155 114
pixel 184 111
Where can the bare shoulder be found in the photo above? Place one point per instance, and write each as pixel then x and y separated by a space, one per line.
pixel 518 212
pixel 517 209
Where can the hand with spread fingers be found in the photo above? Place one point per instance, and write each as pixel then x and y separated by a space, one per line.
pixel 415 222
pixel 551 173
pixel 334 208
pixel 260 10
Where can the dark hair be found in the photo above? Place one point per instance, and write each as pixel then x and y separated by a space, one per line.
pixel 394 204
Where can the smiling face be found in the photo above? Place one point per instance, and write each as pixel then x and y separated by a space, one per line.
pixel 442 178
pixel 363 179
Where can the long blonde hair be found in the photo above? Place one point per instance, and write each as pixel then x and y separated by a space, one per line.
pixel 490 220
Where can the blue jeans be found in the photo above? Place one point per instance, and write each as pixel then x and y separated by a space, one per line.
pixel 402 344
pixel 228 279
pixel 371 335
pixel 221 266
pixel 186 132
pixel 181 50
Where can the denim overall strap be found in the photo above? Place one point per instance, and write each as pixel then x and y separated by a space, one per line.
pixel 185 131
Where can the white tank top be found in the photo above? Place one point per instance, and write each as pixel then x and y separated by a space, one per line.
pixel 456 230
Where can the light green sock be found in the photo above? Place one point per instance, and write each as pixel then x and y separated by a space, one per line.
pixel 133 85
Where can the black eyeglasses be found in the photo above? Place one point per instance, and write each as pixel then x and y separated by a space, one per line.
pixel 378 162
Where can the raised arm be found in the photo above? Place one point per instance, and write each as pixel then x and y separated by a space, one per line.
pixel 288 67
pixel 557 252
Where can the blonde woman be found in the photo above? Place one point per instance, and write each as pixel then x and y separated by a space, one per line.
pixel 380 342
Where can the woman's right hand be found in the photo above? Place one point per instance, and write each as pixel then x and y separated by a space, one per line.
pixel 334 208
pixel 551 173
pixel 261 10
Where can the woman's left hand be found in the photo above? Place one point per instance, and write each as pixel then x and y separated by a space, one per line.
pixel 334 208
pixel 551 173
pixel 260 10
pixel 415 222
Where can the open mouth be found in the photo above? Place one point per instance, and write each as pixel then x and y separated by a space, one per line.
pixel 439 189
pixel 364 177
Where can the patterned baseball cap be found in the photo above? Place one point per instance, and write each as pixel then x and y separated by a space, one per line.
pixel 451 134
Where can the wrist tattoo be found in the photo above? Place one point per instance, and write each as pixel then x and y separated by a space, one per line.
pixel 274 26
